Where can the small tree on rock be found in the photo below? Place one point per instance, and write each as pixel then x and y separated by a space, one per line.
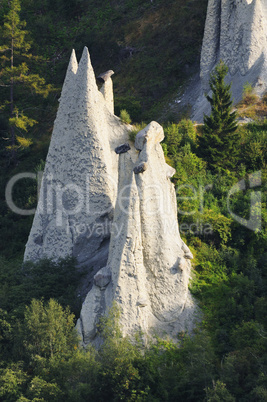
pixel 218 144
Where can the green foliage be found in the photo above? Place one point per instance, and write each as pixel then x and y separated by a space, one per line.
pixel 178 371
pixel 218 393
pixel 188 165
pixel 165 149
pixel 218 144
pixel 45 279
pixel 12 382
pixel 130 104
pixel 125 117
pixel 41 390
pixel 178 135
pixel 214 227
pixel 76 376
pixel 179 146
pixel 254 145
pixel 229 286
pixel 188 132
pixel 249 97
pixel 15 75
pixel 119 378
pixel 247 89
pixel 49 330
pixel 240 371
pixel 173 138
pixel 5 335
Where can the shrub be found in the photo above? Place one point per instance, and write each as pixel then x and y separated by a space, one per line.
pixel 249 97
pixel 125 117
pixel 49 330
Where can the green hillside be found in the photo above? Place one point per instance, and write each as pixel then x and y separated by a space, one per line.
pixel 154 47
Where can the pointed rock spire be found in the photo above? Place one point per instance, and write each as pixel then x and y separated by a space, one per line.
pixel 69 82
pixel 86 83
pixel 46 239
pixel 80 179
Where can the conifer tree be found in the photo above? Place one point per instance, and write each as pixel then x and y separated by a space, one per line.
pixel 218 144
pixel 15 76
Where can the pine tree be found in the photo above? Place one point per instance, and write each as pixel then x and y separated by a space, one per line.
pixel 15 76
pixel 218 144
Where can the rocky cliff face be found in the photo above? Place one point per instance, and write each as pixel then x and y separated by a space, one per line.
pixel 236 32
pixel 113 207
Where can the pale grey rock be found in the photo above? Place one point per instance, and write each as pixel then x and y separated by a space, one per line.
pixel 126 254
pixel 151 134
pixel 170 171
pixel 126 263
pixel 103 277
pixel 105 76
pixel 147 258
pixel 92 310
pixel 211 41
pixel 182 264
pixel 235 32
pixel 44 232
pixel 79 186
pixel 171 302
pixel 187 252
pixel 107 89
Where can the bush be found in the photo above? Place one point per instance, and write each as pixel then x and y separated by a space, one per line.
pixel 249 97
pixel 179 135
pixel 125 117
pixel 49 330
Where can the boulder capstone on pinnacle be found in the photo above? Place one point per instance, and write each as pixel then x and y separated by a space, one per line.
pixel 236 33
pixel 107 89
pixel 112 206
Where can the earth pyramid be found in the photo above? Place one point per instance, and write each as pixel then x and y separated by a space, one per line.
pixel 235 32
pixel 112 206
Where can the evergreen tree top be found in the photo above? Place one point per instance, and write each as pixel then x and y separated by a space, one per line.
pixel 219 140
